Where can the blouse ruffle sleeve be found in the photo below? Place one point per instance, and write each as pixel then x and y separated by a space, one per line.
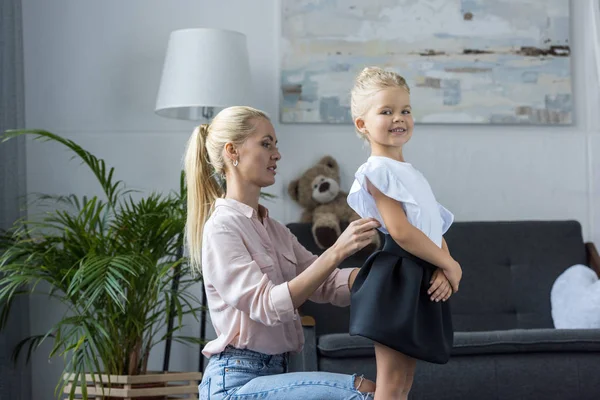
pixel 447 218
pixel 380 176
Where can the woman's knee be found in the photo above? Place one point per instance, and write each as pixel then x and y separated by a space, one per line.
pixel 364 385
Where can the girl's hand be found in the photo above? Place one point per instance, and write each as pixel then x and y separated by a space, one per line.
pixel 355 237
pixel 440 288
pixel 454 275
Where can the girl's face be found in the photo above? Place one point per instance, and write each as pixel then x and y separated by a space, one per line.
pixel 388 122
pixel 258 155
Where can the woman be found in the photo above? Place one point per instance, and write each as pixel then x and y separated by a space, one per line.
pixel 256 274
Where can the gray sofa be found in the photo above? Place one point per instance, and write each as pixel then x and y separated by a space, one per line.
pixel 505 345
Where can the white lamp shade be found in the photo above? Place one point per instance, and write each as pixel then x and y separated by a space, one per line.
pixel 203 68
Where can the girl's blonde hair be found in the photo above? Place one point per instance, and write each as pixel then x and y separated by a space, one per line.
pixel 367 83
pixel 204 161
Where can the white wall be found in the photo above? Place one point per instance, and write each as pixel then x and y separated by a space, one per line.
pixel 92 71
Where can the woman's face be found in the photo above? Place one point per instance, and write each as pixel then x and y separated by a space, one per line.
pixel 258 156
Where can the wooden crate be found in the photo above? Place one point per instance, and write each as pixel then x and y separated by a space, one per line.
pixel 170 385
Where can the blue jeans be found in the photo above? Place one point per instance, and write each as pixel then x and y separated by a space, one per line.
pixel 245 374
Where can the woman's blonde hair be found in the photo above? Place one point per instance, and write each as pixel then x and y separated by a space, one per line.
pixel 204 162
pixel 368 82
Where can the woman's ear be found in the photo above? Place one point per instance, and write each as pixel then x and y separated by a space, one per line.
pixel 231 151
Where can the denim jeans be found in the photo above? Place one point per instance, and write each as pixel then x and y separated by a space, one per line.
pixel 245 374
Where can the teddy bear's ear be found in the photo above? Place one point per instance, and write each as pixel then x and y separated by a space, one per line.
pixel 330 162
pixel 293 189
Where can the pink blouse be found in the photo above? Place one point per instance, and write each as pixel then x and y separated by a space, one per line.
pixel 246 265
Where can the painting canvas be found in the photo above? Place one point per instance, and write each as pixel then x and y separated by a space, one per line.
pixel 466 61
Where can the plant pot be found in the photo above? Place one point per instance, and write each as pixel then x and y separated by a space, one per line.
pixel 152 386
pixel 140 386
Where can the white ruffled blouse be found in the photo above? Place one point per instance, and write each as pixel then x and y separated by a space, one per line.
pixel 402 182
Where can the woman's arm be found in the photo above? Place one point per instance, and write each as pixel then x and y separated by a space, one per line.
pixel 229 268
pixel 358 234
pixel 237 277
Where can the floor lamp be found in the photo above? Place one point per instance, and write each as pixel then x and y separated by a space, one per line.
pixel 204 69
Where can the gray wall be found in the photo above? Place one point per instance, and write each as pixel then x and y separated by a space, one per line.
pixel 92 71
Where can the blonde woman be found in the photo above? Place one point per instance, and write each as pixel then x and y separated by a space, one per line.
pixel 256 274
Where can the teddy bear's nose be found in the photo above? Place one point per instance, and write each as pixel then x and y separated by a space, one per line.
pixel 323 187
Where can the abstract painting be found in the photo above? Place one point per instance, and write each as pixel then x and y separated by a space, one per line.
pixel 466 61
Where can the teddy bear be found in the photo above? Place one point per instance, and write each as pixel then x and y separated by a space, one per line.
pixel 324 203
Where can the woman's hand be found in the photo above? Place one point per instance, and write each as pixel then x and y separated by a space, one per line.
pixel 454 275
pixel 440 288
pixel 355 237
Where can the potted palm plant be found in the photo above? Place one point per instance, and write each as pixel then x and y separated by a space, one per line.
pixel 111 260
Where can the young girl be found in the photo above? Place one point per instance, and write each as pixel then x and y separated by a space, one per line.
pixel 396 295
pixel 256 274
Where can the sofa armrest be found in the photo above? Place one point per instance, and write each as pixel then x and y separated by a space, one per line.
pixel 306 360
pixel 593 258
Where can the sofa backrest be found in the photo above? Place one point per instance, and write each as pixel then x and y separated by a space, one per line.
pixel 508 271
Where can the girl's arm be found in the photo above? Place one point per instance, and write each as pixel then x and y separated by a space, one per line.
pixel 440 289
pixel 445 246
pixel 406 235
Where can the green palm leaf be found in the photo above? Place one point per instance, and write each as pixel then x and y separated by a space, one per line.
pixel 110 261
pixel 97 166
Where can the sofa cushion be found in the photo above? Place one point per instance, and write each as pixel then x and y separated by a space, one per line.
pixel 527 341
pixel 342 345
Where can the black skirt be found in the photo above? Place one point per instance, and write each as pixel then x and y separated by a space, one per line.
pixel 390 305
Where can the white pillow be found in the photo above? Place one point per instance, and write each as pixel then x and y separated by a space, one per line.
pixel 575 299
